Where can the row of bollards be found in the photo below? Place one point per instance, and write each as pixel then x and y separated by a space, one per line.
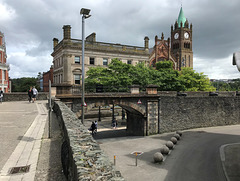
pixel 165 149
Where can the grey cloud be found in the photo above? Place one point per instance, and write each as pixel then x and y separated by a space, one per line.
pixel 215 30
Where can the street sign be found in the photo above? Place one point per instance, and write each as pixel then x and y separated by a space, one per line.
pixel 139 101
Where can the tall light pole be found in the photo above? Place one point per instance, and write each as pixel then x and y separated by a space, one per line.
pixel 85 14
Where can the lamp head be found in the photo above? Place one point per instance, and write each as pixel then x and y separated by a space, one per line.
pixel 85 11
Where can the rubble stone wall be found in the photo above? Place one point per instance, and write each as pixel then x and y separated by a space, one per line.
pixel 82 158
pixel 179 113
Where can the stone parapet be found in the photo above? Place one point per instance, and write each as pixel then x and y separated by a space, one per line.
pixel 82 158
pixel 23 96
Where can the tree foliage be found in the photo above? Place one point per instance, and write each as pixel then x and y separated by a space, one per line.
pixel 23 84
pixel 234 85
pixel 193 81
pixel 121 75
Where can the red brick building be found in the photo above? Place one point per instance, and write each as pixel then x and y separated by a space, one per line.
pixel 46 77
pixel 4 67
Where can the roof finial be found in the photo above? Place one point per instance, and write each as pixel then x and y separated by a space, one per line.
pixel 181 3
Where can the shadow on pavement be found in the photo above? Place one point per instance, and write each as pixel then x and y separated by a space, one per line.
pixel 110 134
pixel 49 165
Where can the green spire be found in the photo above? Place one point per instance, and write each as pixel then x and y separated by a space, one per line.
pixel 181 18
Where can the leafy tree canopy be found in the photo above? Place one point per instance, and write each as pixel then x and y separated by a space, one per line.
pixel 23 84
pixel 193 81
pixel 122 75
pixel 234 85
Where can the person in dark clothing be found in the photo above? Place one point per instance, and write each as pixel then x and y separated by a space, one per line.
pixel 30 93
pixel 93 128
pixel 1 95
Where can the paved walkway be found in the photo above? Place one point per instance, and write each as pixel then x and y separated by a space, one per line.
pixel 27 150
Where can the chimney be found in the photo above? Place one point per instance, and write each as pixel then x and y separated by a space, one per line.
pixel 146 43
pixel 91 38
pixel 55 42
pixel 66 32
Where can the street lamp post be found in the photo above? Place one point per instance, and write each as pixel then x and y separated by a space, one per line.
pixel 85 14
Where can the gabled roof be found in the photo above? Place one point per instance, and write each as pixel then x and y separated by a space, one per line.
pixel 181 18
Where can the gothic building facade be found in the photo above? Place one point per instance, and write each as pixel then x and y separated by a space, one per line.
pixel 178 48
pixel 4 67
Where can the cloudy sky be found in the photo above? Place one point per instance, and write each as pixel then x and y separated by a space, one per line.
pixel 30 25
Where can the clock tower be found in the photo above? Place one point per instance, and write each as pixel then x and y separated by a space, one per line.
pixel 181 42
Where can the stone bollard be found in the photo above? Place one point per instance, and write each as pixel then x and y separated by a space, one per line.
pixel 158 157
pixel 174 140
pixel 177 136
pixel 179 132
pixel 164 150
pixel 169 144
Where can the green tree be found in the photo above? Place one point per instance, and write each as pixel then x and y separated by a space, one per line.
pixel 168 77
pixel 23 84
pixel 234 85
pixel 193 81
pixel 114 78
pixel 118 76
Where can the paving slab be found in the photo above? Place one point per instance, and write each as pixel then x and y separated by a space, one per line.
pixel 27 150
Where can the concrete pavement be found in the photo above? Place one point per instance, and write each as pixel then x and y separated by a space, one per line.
pixel 25 156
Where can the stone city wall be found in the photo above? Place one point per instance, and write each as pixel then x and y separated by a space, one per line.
pixel 23 96
pixel 179 113
pixel 82 158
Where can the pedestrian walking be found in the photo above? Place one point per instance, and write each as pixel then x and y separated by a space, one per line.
pixel 1 96
pixel 34 94
pixel 93 128
pixel 30 94
pixel 96 124
pixel 114 123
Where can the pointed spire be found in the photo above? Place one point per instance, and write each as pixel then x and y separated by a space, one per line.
pixel 181 18
pixel 162 36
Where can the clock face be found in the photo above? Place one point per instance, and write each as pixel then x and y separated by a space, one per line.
pixel 186 35
pixel 176 35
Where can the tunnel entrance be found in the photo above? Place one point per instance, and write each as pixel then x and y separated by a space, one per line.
pixel 130 122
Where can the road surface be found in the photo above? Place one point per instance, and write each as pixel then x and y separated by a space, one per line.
pixel 196 157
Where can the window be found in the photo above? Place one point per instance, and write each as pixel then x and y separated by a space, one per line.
pixel 77 79
pixel 189 61
pixel 91 62
pixel 4 74
pixel 105 61
pixel 129 62
pixel 77 59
